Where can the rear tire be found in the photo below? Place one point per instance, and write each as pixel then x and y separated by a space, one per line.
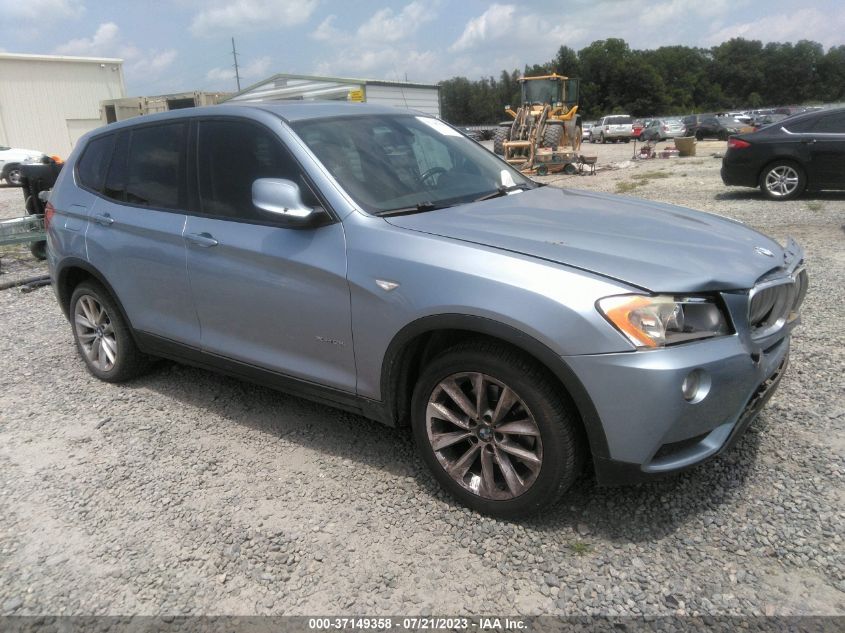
pixel 501 135
pixel 13 176
pixel 102 336
pixel 783 180
pixel 508 461
pixel 39 250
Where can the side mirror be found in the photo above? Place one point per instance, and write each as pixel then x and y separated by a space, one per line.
pixel 281 199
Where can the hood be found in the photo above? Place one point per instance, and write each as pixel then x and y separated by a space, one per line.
pixel 655 246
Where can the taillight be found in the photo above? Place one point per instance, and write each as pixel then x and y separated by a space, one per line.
pixel 737 143
pixel 49 212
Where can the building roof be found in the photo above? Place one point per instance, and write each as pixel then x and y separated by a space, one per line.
pixel 341 80
pixel 60 58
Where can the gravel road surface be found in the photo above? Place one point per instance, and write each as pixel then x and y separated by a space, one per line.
pixel 189 493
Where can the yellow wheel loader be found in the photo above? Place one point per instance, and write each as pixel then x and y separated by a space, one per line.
pixel 547 120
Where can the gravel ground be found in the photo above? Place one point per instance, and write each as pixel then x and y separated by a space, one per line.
pixel 189 493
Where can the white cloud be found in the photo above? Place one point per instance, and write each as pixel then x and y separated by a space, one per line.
pixel 810 24
pixel 381 47
pixel 107 41
pixel 258 68
pixel 237 16
pixel 41 10
pixel 386 26
pixel 326 31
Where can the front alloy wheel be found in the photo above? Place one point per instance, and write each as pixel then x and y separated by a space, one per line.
pixel 484 435
pixel 495 430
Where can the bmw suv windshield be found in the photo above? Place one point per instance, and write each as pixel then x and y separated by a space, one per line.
pixel 405 163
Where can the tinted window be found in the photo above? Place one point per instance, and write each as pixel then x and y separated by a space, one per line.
pixel 232 155
pixel 833 123
pixel 799 126
pixel 91 169
pixel 156 167
pixel 115 186
pixel 619 120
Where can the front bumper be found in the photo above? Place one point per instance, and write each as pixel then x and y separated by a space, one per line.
pixel 650 428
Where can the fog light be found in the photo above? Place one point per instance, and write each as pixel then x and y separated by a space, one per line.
pixel 696 386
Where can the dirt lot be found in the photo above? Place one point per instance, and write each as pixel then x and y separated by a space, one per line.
pixel 186 492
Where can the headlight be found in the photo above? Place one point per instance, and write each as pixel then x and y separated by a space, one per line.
pixel 664 319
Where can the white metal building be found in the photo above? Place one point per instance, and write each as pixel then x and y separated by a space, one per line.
pixel 47 102
pixel 422 97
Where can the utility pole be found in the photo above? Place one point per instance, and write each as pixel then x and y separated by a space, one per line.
pixel 235 57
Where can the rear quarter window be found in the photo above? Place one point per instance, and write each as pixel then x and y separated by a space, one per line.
pixel 94 163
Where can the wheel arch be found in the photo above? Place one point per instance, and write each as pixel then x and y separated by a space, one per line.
pixel 73 272
pixel 420 340
pixel 782 158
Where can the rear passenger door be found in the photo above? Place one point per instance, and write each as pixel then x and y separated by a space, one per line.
pixel 134 233
pixel 266 295
pixel 827 150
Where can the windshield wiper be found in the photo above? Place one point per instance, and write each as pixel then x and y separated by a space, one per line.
pixel 419 207
pixel 501 190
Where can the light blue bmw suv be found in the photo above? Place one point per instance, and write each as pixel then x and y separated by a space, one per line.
pixel 380 261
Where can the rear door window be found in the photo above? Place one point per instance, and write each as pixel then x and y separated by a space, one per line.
pixel 831 124
pixel 91 169
pixel 156 173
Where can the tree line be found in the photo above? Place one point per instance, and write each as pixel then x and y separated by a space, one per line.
pixel 737 74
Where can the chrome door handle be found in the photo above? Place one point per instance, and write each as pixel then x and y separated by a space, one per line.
pixel 105 219
pixel 201 239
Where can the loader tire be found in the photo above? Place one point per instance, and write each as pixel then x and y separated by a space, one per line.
pixel 552 135
pixel 501 135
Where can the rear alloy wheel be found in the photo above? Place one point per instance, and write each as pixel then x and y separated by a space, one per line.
pixel 782 181
pixel 494 431
pixel 102 336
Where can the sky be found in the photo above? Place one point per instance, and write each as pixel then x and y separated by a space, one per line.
pixel 185 45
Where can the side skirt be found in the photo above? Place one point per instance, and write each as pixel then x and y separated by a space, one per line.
pixel 155 345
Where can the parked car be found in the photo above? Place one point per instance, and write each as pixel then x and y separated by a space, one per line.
pixel 618 127
pixel 10 161
pixel 585 130
pixel 663 129
pixel 637 127
pixel 703 126
pixel 383 263
pixel 805 151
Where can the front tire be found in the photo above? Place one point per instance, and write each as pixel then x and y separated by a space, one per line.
pixel 491 426
pixel 499 137
pixel 552 136
pixel 782 180
pixel 102 336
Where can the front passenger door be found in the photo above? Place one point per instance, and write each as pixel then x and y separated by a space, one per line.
pixel 268 296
